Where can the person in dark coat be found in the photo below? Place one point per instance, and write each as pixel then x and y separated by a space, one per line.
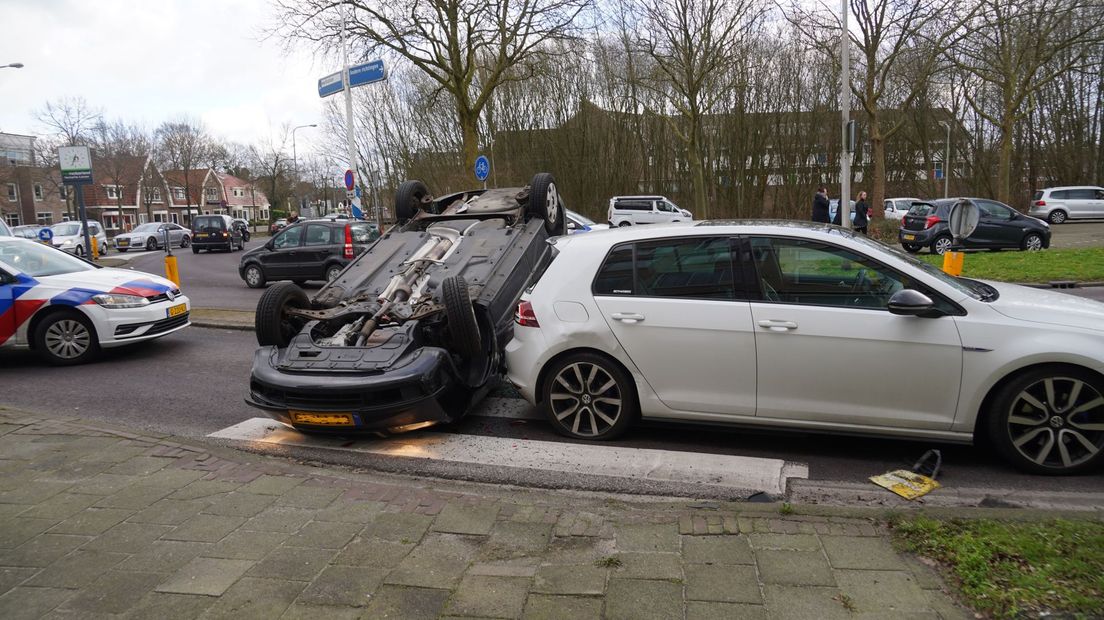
pixel 862 213
pixel 820 205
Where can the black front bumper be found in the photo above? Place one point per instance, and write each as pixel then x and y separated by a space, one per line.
pixel 422 388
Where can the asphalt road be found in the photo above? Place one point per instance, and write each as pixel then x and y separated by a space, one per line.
pixel 1085 234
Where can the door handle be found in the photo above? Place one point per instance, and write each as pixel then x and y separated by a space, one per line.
pixel 777 326
pixel 627 317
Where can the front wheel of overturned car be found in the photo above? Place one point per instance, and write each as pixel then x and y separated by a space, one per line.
pixel 588 396
pixel 1050 421
pixel 411 197
pixel 462 326
pixel 274 326
pixel 545 203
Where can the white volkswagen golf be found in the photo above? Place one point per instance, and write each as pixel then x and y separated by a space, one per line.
pixel 782 324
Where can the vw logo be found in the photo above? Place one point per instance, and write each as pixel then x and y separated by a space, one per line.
pixel 171 295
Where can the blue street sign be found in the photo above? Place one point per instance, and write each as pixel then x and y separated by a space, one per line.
pixel 330 84
pixel 482 168
pixel 367 73
pixel 356 191
pixel 349 180
pixel 357 213
pixel 45 235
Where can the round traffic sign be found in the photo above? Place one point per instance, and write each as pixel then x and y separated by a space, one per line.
pixel 482 168
pixel 349 180
pixel 963 219
pixel 45 235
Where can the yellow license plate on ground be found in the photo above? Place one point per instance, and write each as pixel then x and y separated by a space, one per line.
pixel 176 310
pixel 908 237
pixel 321 419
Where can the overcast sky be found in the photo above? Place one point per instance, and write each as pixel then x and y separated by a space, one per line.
pixel 147 61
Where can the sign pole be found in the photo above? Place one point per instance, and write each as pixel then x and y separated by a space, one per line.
pixel 84 220
pixel 354 201
pixel 844 208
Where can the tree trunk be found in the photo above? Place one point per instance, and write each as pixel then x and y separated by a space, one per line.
pixel 469 131
pixel 1004 163
pixel 697 170
pixel 878 188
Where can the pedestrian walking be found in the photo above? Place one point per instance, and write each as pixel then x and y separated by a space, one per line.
pixel 862 213
pixel 820 205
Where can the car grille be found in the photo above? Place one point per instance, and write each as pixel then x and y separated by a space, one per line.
pixel 157 327
pixel 164 296
pixel 326 400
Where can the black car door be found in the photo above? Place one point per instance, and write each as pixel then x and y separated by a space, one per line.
pixel 318 245
pixel 279 261
pixel 996 227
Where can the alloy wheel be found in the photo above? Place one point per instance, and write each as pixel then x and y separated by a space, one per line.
pixel 332 274
pixel 942 244
pixel 1057 422
pixel 68 339
pixel 1057 217
pixel 552 202
pixel 253 276
pixel 1033 243
pixel 586 399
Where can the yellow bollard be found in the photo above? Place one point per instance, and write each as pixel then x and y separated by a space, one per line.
pixel 952 262
pixel 95 247
pixel 171 271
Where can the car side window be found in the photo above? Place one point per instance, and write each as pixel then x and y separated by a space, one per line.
pixel 288 238
pixel 993 211
pixel 1060 194
pixel 318 234
pixel 1082 194
pixel 616 274
pixel 682 268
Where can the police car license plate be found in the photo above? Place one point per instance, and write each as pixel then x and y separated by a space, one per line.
pixel 908 237
pixel 176 310
pixel 321 419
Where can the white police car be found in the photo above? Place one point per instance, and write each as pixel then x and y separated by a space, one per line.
pixel 579 223
pixel 67 309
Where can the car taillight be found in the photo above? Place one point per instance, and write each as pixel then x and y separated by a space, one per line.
pixel 348 243
pixel 525 315
pixel 1040 203
pixel 931 221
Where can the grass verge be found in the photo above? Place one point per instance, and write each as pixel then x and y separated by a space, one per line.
pixel 1015 569
pixel 1081 264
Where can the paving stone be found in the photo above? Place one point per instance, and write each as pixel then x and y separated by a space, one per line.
pixel 280 519
pixel 398 526
pixel 351 512
pixel 491 597
pixel 246 545
pixel 794 568
pixel 373 552
pixel 466 519
pixel 11 577
pixel 438 562
pixel 31 603
pixel 113 593
pixel 887 592
pixel 514 567
pixel 576 550
pixel 861 553
pixel 92 522
pixel 33 492
pixel 649 566
pixel 927 577
pixel 272 485
pixel 648 538
pixel 139 466
pixel 510 539
pixel 254 598
pixel 946 607
pixel 118 453
pixel 300 611
pixel 238 504
pixel 728 584
pixel 76 570
pixel 325 535
pixel 42 550
pixel 136 497
pixel 304 496
pixel 8 511
pixel 205 528
pixel 129 537
pixel 166 606
pixel 205 489
pixel 173 478
pixel 169 512
pixel 165 556
pixel 406 603
pixel 712 610
pixel 641 599
pixel 804 603
pixel 208 576
pixel 725 549
pixel 352 586
pixel 60 507
pixel 549 607
pixel 16 531
pixel 800 542
pixel 292 563
pixel 104 484
pixel 570 579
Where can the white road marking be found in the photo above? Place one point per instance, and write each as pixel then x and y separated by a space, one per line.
pixel 733 472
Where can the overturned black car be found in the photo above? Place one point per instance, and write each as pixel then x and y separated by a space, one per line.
pixel 413 330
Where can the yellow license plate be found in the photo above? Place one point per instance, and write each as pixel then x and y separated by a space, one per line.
pixel 176 310
pixel 321 419
pixel 908 237
pixel 123 242
pixel 202 235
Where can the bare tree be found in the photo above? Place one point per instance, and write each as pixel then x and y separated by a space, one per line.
pixel 271 163
pixel 71 118
pixel 184 145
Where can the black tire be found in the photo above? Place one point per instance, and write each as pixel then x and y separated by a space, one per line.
pixel 545 203
pixel 245 236
pixel 253 275
pixel 1015 418
pixel 624 224
pixel 463 329
pixel 1032 242
pixel 332 272
pixel 912 248
pixel 410 198
pixel 122 250
pixel 1057 216
pixel 576 408
pixel 151 244
pixel 273 327
pixel 79 250
pixel 185 241
pixel 941 244
pixel 195 250
pixel 66 339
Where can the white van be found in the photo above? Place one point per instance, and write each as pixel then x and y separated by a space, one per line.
pixel 628 210
pixel 69 236
pixel 1058 204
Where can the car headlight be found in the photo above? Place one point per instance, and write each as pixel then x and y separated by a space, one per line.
pixel 67 242
pixel 115 301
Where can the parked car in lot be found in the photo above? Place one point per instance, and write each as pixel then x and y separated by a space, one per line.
pixel 579 223
pixel 1058 204
pixel 833 206
pixel 412 331
pixel 777 324
pixel 999 226
pixel 896 208
pixel 28 231
pixel 69 236
pixel 243 226
pixel 312 250
pixel 216 232
pixel 151 236
pixel 277 225
pixel 66 309
pixel 629 210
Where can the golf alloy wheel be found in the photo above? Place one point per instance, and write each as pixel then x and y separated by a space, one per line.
pixel 68 339
pixel 1057 422
pixel 586 400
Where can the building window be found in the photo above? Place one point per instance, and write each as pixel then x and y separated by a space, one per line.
pixel 155 194
pixel 111 222
pixel 12 219
pixel 938 170
pixel 175 218
pixel 239 192
pixel 44 218
pixel 141 218
pixel 159 217
pixel 112 191
pixel 38 194
pixel 212 193
pixel 178 193
pixel 264 214
pixel 13 192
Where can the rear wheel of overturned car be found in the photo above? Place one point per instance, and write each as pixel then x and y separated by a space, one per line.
pixel 274 326
pixel 409 199
pixel 545 203
pixel 588 396
pixel 462 327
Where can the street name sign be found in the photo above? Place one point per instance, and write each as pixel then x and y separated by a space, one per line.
pixel 76 165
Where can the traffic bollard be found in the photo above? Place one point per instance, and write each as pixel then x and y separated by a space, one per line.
pixel 95 248
pixel 171 271
pixel 952 262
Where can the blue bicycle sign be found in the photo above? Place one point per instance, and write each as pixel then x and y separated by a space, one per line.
pixel 482 168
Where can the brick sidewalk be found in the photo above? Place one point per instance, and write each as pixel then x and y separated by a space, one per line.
pixel 100 523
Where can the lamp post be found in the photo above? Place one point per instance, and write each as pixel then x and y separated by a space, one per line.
pixel 14 65
pixel 295 162
pixel 947 161
pixel 844 208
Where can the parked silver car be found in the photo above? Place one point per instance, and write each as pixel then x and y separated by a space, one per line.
pixel 896 208
pixel 1058 204
pixel 151 236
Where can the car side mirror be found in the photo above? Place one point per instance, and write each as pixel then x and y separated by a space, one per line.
pixel 910 302
pixel 572 226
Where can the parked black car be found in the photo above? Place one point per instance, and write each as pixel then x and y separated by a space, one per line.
pixel 311 250
pixel 411 333
pixel 999 226
pixel 215 232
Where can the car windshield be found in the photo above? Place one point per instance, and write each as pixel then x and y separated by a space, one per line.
pixel 582 219
pixel 922 209
pixel 144 228
pixel 67 229
pixel 37 260
pixel 973 288
pixel 4 232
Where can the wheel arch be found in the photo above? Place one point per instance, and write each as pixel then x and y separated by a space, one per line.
pixel 542 377
pixel 38 317
pixel 985 408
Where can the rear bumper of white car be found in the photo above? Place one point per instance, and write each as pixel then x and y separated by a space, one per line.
pixel 117 327
pixel 524 359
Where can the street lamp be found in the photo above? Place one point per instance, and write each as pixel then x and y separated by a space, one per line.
pixel 14 65
pixel 295 162
pixel 946 160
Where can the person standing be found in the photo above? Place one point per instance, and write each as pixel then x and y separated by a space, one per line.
pixel 862 213
pixel 820 205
